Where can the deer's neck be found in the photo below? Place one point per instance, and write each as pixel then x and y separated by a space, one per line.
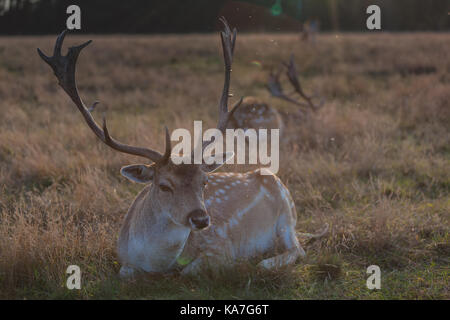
pixel 155 241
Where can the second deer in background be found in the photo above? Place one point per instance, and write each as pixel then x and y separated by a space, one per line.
pixel 256 114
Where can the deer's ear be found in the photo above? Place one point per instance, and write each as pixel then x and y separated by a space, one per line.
pixel 139 173
pixel 214 166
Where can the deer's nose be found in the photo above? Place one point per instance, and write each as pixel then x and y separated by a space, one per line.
pixel 199 219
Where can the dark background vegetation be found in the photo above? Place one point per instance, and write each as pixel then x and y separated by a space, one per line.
pixel 175 16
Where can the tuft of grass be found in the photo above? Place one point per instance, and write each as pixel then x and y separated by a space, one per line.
pixel 328 268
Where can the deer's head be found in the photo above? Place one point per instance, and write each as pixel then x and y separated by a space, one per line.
pixel 176 189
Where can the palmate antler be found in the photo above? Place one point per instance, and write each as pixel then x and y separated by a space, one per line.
pixel 228 41
pixel 64 69
pixel 275 88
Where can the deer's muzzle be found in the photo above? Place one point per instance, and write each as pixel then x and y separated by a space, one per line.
pixel 199 219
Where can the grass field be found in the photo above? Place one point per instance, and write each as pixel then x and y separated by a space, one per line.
pixel 374 162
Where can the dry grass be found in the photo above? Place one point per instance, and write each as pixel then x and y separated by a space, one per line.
pixel 374 162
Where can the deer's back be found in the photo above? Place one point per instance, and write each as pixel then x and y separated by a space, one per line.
pixel 255 114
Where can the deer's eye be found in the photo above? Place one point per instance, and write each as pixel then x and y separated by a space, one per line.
pixel 165 188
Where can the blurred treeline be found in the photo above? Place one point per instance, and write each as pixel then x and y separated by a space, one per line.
pixel 178 16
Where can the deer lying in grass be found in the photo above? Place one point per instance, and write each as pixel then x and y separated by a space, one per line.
pixel 187 216
pixel 256 114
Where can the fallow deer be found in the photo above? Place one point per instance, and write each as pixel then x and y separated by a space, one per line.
pixel 255 114
pixel 187 217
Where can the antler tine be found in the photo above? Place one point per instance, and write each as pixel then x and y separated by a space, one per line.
pixel 235 106
pixel 273 84
pixel 64 69
pixel 166 156
pixel 293 79
pixel 92 108
pixel 58 44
